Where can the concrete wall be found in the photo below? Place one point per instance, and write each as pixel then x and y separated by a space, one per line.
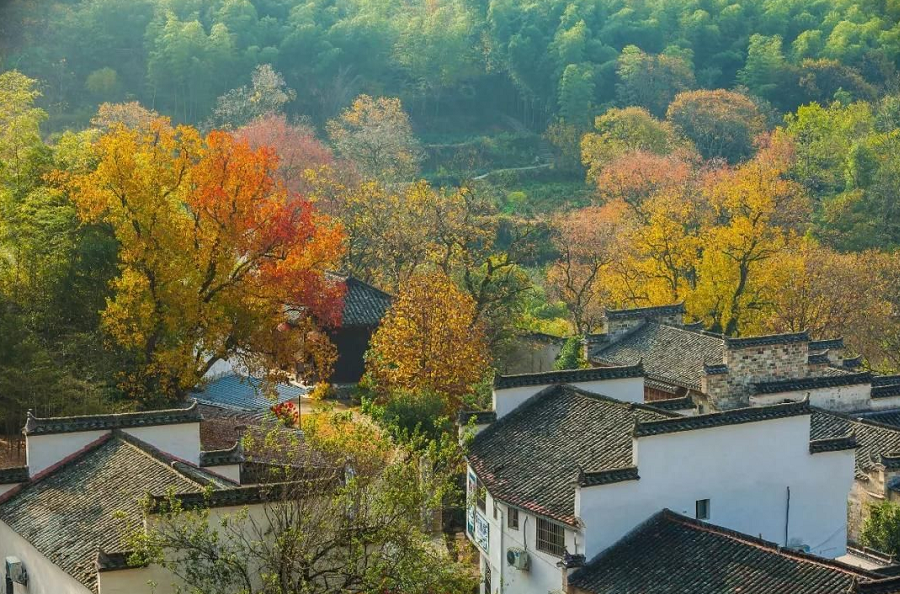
pixel 181 440
pixel 625 389
pixel 43 576
pixel 838 398
pixel 745 471
pixel 43 451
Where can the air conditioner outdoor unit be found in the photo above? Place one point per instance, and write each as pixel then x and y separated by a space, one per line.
pixel 518 558
pixel 15 571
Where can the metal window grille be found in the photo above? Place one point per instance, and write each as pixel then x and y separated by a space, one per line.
pixel 512 518
pixel 487 578
pixel 551 538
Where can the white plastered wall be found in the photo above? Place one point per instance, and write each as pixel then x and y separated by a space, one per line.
pixel 624 389
pixel 745 471
pixel 181 440
pixel 44 577
pixel 43 451
pixel 837 398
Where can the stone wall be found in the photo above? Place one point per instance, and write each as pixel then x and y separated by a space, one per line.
pixel 749 361
pixel 618 322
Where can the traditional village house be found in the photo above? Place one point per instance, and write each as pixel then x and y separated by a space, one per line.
pixel 568 464
pixel 64 517
pixel 364 307
pixel 721 373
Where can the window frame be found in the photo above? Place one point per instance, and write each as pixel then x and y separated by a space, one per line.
pixel 550 537
pixel 704 505
pixel 511 523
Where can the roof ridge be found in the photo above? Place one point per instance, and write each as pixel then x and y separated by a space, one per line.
pixel 734 416
pixel 566 376
pixel 104 422
pixel 764 544
pixel 57 467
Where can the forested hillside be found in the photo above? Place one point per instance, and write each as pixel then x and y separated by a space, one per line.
pixel 451 62
pixel 173 172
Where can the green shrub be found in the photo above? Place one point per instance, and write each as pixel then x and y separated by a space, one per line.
pixel 572 355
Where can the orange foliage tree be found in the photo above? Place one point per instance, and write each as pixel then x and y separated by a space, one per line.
pixel 429 341
pixel 587 242
pixel 212 251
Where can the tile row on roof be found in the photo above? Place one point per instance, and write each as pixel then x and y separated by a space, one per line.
pixel 673 404
pixel 833 444
pixel 812 383
pixel 482 417
pixel 826 344
pixel 48 425
pixel 719 419
pixel 607 477
pixel 886 391
pixel 766 340
pixel 671 553
pixel 819 358
pixel 18 474
pixel 233 455
pixel 885 380
pixel 645 312
pixel 569 376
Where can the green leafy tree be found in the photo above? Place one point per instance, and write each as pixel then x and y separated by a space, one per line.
pixel 349 513
pixel 881 529
pixel 721 124
pixel 651 81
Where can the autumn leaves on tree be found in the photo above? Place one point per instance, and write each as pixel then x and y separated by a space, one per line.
pixel 212 250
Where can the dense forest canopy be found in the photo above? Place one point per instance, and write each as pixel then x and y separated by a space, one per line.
pixel 509 166
pixel 459 61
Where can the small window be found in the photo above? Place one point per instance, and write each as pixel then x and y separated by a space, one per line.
pixel 480 495
pixel 487 577
pixel 512 518
pixel 551 538
pixel 702 509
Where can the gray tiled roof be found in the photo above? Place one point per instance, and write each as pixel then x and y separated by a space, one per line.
pixel 670 554
pixel 40 426
pixel 812 383
pixel 69 512
pixel 669 353
pixel 532 457
pixel 570 376
pixel 873 439
pixel 884 417
pixel 364 305
pixel 245 393
pixel 824 345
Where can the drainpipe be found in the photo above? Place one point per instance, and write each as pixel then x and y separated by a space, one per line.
pixel 787 516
